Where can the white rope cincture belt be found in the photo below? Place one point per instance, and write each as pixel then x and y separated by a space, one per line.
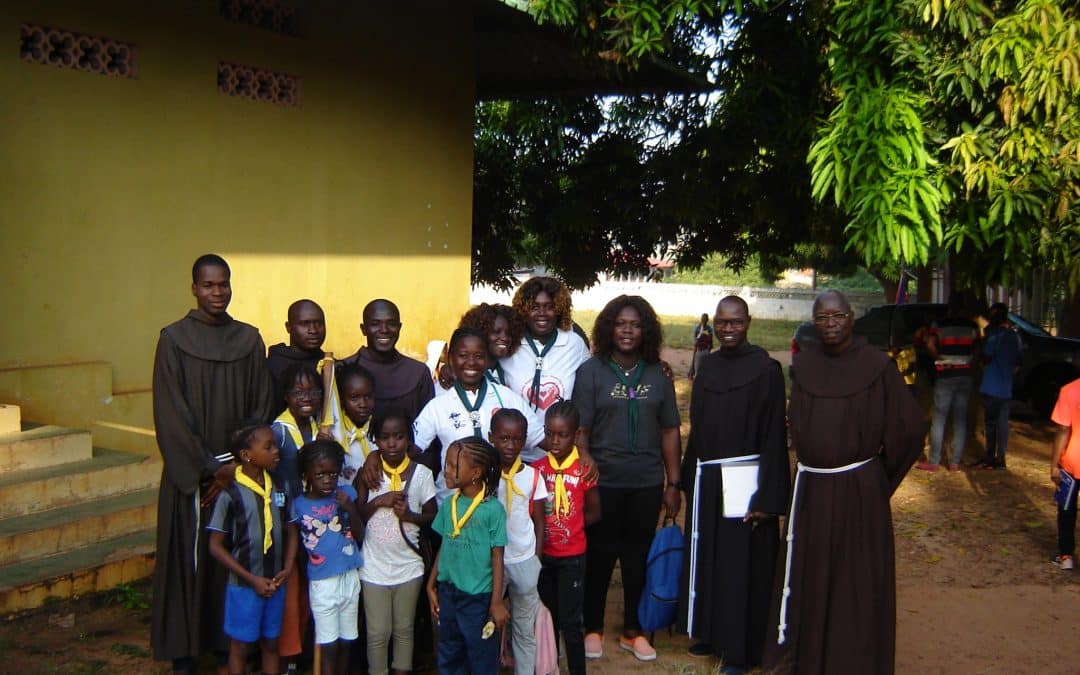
pixel 802 468
pixel 694 528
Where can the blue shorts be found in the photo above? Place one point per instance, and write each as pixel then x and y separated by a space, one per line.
pixel 249 616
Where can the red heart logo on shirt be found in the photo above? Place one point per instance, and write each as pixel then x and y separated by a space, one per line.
pixel 549 394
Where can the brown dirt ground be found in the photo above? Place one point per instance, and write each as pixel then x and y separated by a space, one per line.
pixel 976 592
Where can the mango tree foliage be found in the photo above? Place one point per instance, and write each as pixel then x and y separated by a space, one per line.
pixel 949 127
pixel 592 184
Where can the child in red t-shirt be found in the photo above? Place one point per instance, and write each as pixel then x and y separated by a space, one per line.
pixel 573 503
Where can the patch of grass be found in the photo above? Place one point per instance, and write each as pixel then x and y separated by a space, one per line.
pixel 770 334
pixel 131 597
pixel 130 650
pixel 89 667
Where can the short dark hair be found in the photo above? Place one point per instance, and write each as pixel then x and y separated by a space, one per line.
pixel 381 417
pixel 510 415
pixel 320 449
pixel 462 333
pixel 297 371
pixel 347 371
pixel 737 300
pixel 241 435
pixel 208 260
pixel 564 410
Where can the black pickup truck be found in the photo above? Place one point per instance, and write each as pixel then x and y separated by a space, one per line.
pixel 1048 362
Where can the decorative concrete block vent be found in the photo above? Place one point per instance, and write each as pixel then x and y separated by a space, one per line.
pixel 258 84
pixel 270 15
pixel 65 49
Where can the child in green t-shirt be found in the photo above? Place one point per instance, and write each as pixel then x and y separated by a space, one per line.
pixel 465 586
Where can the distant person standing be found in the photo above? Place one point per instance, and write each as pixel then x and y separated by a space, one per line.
pixel 953 343
pixel 1001 355
pixel 209 373
pixel 703 343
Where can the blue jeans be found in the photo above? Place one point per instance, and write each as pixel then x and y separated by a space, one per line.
pixel 950 394
pixel 461 648
pixel 997 427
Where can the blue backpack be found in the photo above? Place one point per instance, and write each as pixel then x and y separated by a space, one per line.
pixel 660 598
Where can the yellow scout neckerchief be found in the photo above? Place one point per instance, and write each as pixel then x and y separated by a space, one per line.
pixel 352 434
pixel 562 499
pixel 268 528
pixel 458 524
pixel 511 487
pixel 396 473
pixel 289 422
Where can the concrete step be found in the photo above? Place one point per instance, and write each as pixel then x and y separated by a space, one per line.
pixel 43 446
pixel 126 437
pixel 99 567
pixel 69 527
pixel 10 415
pixel 108 473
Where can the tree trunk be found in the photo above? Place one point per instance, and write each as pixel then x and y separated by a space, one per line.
pixel 1069 317
pixel 925 290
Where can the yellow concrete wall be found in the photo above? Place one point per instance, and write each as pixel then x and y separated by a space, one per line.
pixel 110 187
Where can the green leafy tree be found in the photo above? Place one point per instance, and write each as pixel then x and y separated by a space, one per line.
pixel 590 185
pixel 904 131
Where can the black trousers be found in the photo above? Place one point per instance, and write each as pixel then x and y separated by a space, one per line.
pixel 562 590
pixel 628 518
pixel 1066 522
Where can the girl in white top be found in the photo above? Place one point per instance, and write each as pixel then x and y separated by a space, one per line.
pixel 543 368
pixel 524 496
pixel 393 570
pixel 466 408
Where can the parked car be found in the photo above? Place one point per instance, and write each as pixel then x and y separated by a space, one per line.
pixel 1048 362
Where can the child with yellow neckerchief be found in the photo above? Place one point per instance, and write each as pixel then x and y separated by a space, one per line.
pixel 248 514
pixel 524 496
pixel 465 587
pixel 294 428
pixel 356 396
pixel 393 571
pixel 573 503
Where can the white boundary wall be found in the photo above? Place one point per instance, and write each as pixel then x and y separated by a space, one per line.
pixel 693 299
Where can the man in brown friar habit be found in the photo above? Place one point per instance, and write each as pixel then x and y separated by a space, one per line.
pixel 737 477
pixel 209 373
pixel 856 432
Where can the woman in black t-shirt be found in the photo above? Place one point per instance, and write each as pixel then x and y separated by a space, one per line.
pixel 630 426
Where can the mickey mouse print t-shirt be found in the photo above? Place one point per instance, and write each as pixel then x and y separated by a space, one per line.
pixel 325 535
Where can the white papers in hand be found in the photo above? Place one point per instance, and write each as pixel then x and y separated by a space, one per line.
pixel 740 480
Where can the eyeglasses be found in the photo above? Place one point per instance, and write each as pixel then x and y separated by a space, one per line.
pixel 729 323
pixel 305 394
pixel 825 319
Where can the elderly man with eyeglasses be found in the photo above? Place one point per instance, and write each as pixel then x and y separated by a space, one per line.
pixel 856 432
